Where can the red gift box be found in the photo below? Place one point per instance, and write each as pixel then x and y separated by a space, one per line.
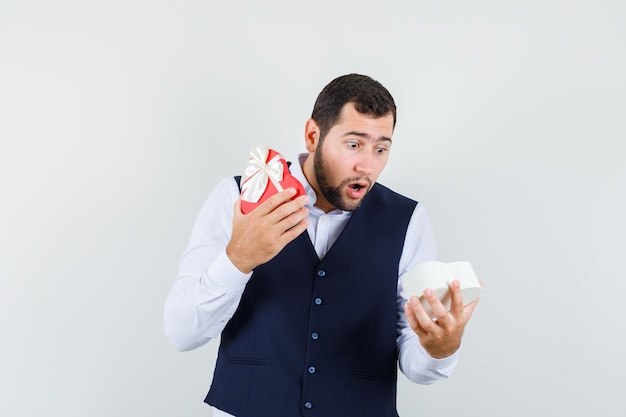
pixel 266 174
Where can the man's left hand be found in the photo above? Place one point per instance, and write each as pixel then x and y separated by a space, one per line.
pixel 441 336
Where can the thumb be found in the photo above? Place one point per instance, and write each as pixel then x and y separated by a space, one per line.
pixel 237 208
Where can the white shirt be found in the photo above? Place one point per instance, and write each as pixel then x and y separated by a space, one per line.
pixel 208 287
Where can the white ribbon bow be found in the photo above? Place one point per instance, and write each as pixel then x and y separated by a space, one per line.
pixel 258 173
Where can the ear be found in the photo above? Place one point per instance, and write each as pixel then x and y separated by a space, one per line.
pixel 311 135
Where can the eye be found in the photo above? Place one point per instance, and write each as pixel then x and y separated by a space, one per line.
pixel 381 150
pixel 352 145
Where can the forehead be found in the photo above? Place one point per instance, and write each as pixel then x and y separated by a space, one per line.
pixel 351 120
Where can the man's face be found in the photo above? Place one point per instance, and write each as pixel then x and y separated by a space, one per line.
pixel 350 158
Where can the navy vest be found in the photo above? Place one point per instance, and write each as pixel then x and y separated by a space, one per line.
pixel 315 337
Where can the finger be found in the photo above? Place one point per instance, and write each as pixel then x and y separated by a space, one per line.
pixel 296 204
pixel 439 310
pixel 424 320
pixel 275 201
pixel 456 299
pixel 468 310
pixel 287 208
pixel 294 224
pixel 289 213
pixel 411 318
pixel 237 208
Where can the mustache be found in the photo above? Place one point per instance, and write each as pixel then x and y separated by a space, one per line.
pixel 356 179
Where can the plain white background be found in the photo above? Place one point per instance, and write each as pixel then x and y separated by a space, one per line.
pixel 117 118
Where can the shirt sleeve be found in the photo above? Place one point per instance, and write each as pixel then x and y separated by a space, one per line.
pixel 414 361
pixel 208 287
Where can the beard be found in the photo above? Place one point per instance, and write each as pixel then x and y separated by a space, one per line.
pixel 334 194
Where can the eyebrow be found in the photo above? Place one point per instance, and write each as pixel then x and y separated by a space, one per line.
pixel 366 136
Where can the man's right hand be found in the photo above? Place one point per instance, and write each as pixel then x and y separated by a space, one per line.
pixel 259 235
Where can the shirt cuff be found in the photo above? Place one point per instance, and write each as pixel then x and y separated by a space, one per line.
pixel 444 366
pixel 224 274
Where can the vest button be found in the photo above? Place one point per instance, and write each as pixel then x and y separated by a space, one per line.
pixel 315 336
pixel 318 301
pixel 308 405
pixel 311 369
pixel 321 273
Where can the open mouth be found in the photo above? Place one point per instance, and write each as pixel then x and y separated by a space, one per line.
pixel 357 189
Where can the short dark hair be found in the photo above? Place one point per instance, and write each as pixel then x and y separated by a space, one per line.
pixel 368 96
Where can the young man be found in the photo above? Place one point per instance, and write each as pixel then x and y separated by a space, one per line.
pixel 306 293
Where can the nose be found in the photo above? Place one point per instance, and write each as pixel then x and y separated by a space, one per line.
pixel 364 165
